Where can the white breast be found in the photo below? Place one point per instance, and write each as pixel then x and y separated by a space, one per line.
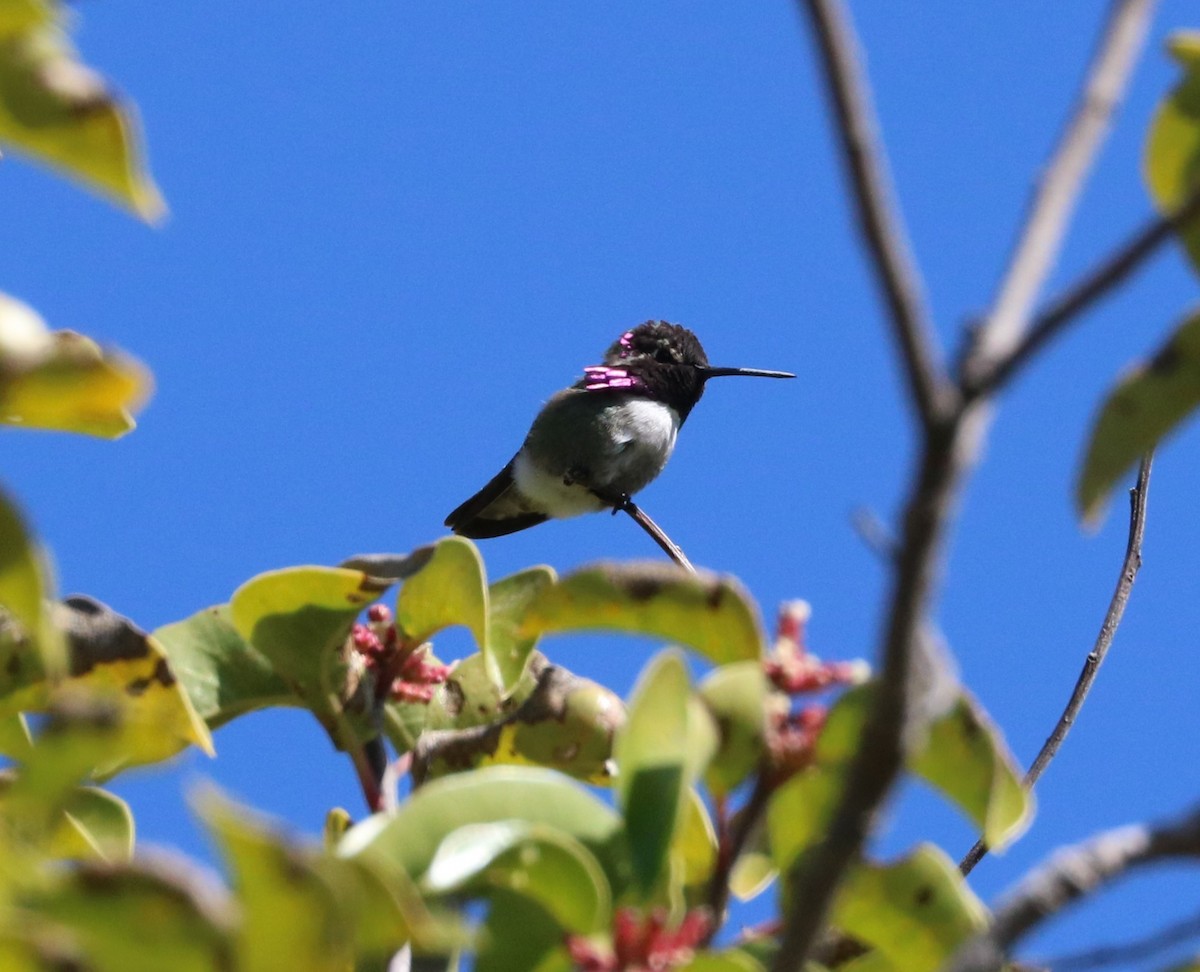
pixel 621 447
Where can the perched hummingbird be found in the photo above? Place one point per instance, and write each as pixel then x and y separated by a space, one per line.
pixel 598 442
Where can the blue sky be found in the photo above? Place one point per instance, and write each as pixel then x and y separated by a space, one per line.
pixel 395 232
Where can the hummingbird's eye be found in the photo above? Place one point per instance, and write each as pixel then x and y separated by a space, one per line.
pixel 664 356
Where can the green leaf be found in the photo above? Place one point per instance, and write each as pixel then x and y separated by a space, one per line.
pixel 302 910
pixel 62 380
pixel 571 727
pixel 693 850
pixel 736 695
pixel 299 618
pixel 536 861
pixel 103 823
pixel 1148 402
pixel 521 936
pixel 1172 161
pixel 916 911
pixel 449 589
pixel 754 870
pixel 181 923
pixel 62 113
pixel 409 837
pixel 223 675
pixel 964 757
pixel 15 741
pixel 30 647
pixel 709 614
pixel 508 601
pixel 652 754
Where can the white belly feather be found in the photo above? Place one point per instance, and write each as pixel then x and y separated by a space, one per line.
pixel 622 447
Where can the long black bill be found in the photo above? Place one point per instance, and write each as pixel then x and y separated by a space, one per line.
pixel 747 372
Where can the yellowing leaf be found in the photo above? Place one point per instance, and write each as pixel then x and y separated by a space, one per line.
pixel 62 380
pixel 114 663
pixel 709 614
pixel 1172 162
pixel 965 758
pixel 916 911
pixel 17 16
pixel 30 647
pixel 1144 407
pixel 449 589
pixel 61 112
pixel 112 657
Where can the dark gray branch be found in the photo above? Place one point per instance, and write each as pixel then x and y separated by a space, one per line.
pixel 1073 874
pixel 1130 565
pixel 850 98
pixel 952 441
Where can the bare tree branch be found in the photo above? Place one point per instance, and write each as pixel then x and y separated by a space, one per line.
pixel 1128 953
pixel 850 97
pixel 952 441
pixel 1072 874
pixel 1054 201
pixel 1130 565
pixel 1080 296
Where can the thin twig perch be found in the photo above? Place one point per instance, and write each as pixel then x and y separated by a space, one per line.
pixel 669 546
pixel 1130 565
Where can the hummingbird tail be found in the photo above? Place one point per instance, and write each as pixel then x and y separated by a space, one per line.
pixel 494 511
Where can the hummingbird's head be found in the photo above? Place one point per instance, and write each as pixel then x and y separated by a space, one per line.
pixel 662 361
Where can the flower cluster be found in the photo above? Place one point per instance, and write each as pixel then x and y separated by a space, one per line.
pixel 793 669
pixel 793 733
pixel 405 667
pixel 642 942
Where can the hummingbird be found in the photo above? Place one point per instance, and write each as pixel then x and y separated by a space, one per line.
pixel 595 444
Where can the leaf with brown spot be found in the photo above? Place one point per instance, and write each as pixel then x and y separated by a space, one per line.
pixel 1146 405
pixel 58 110
pixel 182 921
pixel 712 615
pixel 916 911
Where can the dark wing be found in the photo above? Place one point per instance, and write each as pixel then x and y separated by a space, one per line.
pixel 494 511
